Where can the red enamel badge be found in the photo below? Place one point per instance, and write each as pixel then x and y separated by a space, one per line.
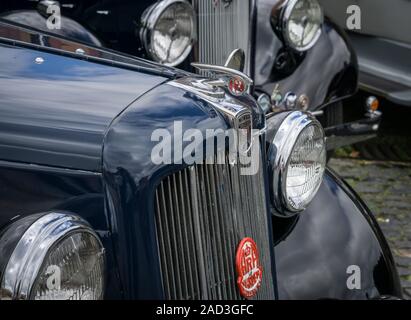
pixel 249 270
pixel 236 86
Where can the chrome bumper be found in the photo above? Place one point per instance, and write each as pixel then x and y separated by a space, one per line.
pixel 353 132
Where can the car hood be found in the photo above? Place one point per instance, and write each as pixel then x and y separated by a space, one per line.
pixel 55 107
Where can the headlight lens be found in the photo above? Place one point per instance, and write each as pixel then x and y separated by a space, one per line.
pixel 302 21
pixel 74 270
pixel 59 257
pixel 298 156
pixel 305 168
pixel 169 31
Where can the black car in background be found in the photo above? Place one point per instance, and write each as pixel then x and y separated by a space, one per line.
pixel 298 59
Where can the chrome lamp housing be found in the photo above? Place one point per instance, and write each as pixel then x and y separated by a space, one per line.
pixel 297 161
pixel 169 31
pixel 301 23
pixel 52 256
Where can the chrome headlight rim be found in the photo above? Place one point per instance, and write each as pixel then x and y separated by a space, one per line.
pixel 149 21
pixel 285 18
pixel 287 134
pixel 30 252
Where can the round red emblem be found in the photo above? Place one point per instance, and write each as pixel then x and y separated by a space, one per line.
pixel 236 86
pixel 249 270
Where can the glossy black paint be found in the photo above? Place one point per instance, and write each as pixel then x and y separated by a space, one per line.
pixel 118 202
pixel 27 190
pixel 334 232
pixel 57 112
pixel 326 73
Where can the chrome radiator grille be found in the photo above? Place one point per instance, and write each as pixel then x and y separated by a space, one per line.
pixel 222 28
pixel 202 213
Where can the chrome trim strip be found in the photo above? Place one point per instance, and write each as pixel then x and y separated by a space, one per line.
pixel 46 168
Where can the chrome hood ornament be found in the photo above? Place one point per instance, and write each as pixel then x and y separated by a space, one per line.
pixel 236 60
pixel 222 87
pixel 230 75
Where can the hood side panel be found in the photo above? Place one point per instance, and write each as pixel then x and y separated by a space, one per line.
pixel 57 112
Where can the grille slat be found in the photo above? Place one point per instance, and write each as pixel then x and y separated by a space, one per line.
pixel 169 271
pixel 201 236
pixel 174 228
pixel 179 222
pixel 224 238
pixel 162 247
pixel 222 28
pixel 191 235
pixel 181 207
pixel 202 213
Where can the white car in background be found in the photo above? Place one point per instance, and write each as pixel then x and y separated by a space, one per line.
pixel 380 32
pixel 383 45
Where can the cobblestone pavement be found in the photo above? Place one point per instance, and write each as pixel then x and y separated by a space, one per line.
pixel 386 188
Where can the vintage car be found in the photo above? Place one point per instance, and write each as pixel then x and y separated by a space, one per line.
pixel 90 210
pixel 380 33
pixel 297 59
pixel 383 47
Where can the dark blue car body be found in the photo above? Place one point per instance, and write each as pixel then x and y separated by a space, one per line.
pixel 75 137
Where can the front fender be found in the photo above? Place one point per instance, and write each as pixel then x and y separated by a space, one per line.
pixel 131 178
pixel 335 232
pixel 325 73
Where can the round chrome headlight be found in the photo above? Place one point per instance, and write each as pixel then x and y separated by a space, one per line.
pixel 169 31
pixel 302 21
pixel 57 257
pixel 298 160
